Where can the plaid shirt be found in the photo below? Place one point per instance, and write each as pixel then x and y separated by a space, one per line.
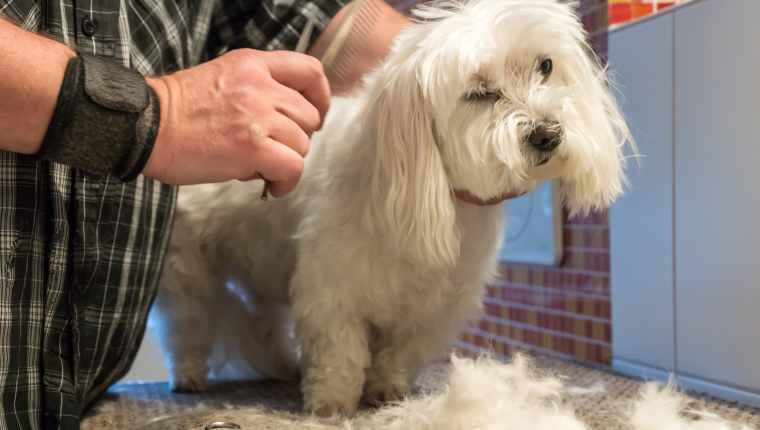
pixel 80 257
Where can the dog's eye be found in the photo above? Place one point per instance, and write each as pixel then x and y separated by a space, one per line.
pixel 546 67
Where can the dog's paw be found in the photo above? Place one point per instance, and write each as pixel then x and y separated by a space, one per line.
pixel 332 409
pixel 188 383
pixel 379 394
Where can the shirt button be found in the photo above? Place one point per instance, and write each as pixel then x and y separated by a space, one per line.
pixel 89 26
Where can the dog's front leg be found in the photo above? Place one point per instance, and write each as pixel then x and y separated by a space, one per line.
pixel 401 352
pixel 397 357
pixel 390 376
pixel 335 358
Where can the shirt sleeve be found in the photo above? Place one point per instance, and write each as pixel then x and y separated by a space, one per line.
pixel 266 24
pixel 14 11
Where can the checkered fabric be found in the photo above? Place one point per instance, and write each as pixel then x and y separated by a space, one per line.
pixel 80 257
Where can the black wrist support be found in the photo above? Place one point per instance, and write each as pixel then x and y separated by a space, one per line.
pixel 105 121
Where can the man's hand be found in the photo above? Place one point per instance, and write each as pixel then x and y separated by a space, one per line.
pixel 247 114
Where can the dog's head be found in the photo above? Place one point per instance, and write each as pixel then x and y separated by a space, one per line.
pixel 486 97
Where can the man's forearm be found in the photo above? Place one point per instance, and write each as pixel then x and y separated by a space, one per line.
pixel 367 43
pixel 32 68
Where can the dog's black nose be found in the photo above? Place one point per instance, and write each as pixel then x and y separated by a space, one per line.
pixel 545 137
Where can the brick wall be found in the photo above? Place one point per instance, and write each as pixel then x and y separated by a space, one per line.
pixel 562 311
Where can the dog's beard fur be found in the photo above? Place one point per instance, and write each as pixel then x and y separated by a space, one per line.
pixel 383 264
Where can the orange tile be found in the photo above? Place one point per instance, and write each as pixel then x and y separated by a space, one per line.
pixel 589 307
pixel 547 340
pixel 580 351
pixel 579 328
pixel 520 276
pixel 580 306
pixel 493 327
pixel 532 318
pixel 504 329
pixel 572 305
pixel 504 312
pixel 598 331
pixel 591 352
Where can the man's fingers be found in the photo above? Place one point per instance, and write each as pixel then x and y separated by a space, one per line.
pixel 284 130
pixel 302 73
pixel 280 165
pixel 296 107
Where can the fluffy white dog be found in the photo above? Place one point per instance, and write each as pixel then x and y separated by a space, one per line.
pixel 381 254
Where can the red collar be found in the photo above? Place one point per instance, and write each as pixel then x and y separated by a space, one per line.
pixel 465 196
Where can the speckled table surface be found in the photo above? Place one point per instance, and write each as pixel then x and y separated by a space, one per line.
pixel 271 405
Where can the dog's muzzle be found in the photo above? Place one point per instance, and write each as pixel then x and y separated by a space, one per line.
pixel 545 137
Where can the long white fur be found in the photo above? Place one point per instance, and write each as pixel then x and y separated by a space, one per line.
pixel 371 257
pixel 484 394
pixel 481 394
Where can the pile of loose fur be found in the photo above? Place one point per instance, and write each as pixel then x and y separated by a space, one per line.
pixel 484 394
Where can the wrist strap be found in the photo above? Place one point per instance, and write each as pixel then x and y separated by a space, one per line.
pixel 105 121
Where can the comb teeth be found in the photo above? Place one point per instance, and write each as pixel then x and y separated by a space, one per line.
pixel 359 24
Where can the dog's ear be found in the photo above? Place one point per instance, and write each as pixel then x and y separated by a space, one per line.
pixel 410 195
pixel 601 135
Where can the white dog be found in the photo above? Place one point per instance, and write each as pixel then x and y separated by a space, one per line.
pixel 377 256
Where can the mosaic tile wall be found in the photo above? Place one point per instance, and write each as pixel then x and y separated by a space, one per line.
pixel 561 311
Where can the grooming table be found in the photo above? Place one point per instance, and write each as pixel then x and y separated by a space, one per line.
pixel 273 405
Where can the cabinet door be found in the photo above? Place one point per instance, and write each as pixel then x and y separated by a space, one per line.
pixel 718 192
pixel 641 222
